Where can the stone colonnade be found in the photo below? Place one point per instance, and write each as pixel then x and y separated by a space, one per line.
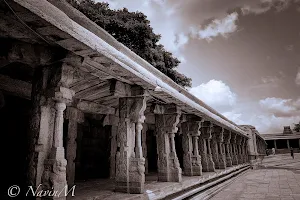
pixel 206 146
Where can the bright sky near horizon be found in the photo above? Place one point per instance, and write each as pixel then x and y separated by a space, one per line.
pixel 242 55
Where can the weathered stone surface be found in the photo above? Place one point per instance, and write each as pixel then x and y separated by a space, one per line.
pixel 207 129
pixel 191 158
pixel 233 148
pixel 74 117
pixel 130 164
pixel 221 147
pixel 227 138
pixel 167 119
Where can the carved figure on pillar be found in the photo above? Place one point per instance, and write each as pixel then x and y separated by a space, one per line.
pixel 130 163
pixel 207 129
pixel 221 147
pixel 227 138
pixel 166 121
pixel 191 158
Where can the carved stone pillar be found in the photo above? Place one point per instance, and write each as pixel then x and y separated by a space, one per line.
pixel 239 149
pixel 221 147
pixel 203 152
pixel 191 158
pixel 207 129
pixel 130 164
pixel 74 117
pixel 144 146
pixel 166 121
pixel 50 96
pixel 215 149
pixel 112 121
pixel 234 151
pixel 242 150
pixel 227 137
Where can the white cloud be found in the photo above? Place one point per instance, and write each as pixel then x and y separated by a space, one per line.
pixel 216 94
pixel 220 27
pixel 235 117
pixel 273 124
pixel 280 107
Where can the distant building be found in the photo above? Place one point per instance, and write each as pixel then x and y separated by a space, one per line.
pixel 282 142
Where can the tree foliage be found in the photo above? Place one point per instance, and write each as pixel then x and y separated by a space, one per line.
pixel 134 31
pixel 297 127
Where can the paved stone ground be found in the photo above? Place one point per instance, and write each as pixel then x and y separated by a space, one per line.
pixel 277 179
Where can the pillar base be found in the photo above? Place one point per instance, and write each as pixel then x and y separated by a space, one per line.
pixel 228 162
pixel 136 181
pixel 211 165
pixel 174 175
pixel 54 177
pixel 204 163
pixel 241 159
pixel 222 161
pixel 235 161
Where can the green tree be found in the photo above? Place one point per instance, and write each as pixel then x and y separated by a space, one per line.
pixel 134 31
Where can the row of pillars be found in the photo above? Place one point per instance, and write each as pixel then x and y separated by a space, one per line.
pixel 287 144
pixel 206 145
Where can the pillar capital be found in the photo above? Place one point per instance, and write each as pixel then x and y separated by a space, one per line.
pixel 192 125
pixel 227 136
pixel 219 133
pixel 171 114
pixel 207 128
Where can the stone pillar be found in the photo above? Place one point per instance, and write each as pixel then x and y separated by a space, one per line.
pixel 203 152
pixel 166 121
pixel 275 144
pixel 220 140
pixel 50 96
pixel 207 129
pixel 113 122
pixel 244 150
pixel 191 158
pixel 227 137
pixel 130 163
pixel 74 117
pixel 239 150
pixel 215 149
pixel 288 143
pixel 234 150
pixel 144 146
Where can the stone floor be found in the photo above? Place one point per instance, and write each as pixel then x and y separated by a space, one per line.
pixel 277 179
pixel 103 189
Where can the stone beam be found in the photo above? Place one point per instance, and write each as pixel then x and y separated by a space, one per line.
pixel 31 54
pixel 94 108
pixel 15 87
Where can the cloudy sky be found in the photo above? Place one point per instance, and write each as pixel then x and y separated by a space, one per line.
pixel 242 55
